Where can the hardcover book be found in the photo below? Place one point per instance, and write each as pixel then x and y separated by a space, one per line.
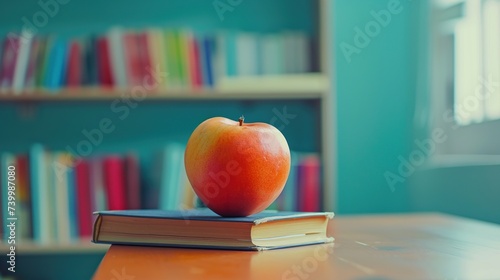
pixel 202 228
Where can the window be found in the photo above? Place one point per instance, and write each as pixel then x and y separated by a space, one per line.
pixel 476 96
pixel 465 75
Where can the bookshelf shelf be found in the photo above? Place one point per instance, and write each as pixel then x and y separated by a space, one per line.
pixel 310 86
pixel 28 247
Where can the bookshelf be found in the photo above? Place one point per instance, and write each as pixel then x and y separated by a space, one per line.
pixel 314 87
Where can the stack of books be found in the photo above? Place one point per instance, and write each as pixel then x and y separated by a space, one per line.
pixel 154 59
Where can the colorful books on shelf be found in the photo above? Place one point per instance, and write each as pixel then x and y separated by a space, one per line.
pixel 57 193
pixel 170 188
pixel 303 188
pixel 202 228
pixel 154 59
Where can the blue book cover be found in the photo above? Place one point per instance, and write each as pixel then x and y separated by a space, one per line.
pixel 208 56
pixel 39 191
pixel 57 65
pixel 202 228
pixel 170 189
pixel 72 204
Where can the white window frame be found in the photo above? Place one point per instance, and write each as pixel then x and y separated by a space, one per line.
pixel 480 133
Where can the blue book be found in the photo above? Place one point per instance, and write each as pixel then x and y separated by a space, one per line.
pixel 202 228
pixel 208 47
pixel 72 204
pixel 170 189
pixel 40 195
pixel 57 65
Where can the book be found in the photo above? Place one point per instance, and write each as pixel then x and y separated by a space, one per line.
pixel 21 65
pixel 117 57
pixel 9 58
pixel 29 82
pixel 201 228
pixel 114 182
pixel 24 196
pixel 84 201
pixel 308 178
pixel 132 182
pixel 74 72
pixel 133 60
pixel 105 75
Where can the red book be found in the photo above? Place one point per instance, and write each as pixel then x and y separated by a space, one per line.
pixel 9 57
pixel 74 72
pixel 24 193
pixel 133 60
pixel 105 76
pixel 144 55
pixel 132 182
pixel 309 184
pixel 194 62
pixel 114 182
pixel 84 202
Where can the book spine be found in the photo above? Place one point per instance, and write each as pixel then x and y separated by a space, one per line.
pixel 84 203
pixel 309 173
pixel 21 65
pixel 115 185
pixel 74 74
pixel 10 53
pixel 104 63
pixel 117 57
pixel 132 182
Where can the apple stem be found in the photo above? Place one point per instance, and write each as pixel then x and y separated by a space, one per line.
pixel 241 119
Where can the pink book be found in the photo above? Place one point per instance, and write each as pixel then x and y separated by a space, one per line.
pixel 74 72
pixel 114 182
pixel 9 57
pixel 132 175
pixel 104 62
pixel 84 201
pixel 309 183
pixel 194 62
pixel 133 62
pixel 144 55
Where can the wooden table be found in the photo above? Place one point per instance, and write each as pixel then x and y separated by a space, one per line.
pixel 424 246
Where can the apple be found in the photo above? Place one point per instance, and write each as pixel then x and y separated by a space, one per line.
pixel 237 169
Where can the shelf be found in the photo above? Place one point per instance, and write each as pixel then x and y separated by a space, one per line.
pixel 29 247
pixel 303 86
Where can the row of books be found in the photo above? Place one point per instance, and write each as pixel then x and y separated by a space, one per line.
pixel 154 59
pixel 303 187
pixel 56 193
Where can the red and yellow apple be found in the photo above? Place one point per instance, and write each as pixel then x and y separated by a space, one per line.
pixel 237 169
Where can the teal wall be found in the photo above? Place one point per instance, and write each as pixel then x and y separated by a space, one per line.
pixel 375 100
pixel 93 15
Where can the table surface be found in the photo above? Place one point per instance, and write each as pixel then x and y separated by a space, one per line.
pixel 377 247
